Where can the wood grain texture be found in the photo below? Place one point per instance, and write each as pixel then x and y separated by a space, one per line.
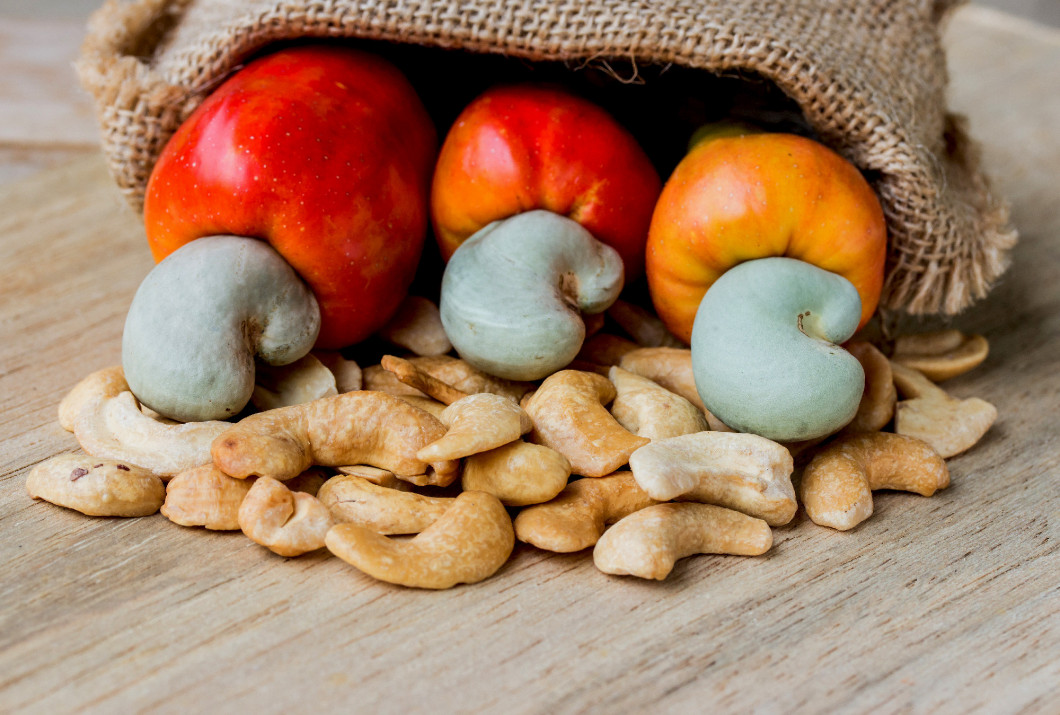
pixel 947 604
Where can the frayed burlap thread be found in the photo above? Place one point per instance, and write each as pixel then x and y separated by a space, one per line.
pixel 869 76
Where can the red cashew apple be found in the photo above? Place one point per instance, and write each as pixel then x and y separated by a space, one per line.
pixel 324 152
pixel 740 195
pixel 525 147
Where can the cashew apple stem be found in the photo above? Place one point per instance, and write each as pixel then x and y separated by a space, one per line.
pixel 200 318
pixel 765 351
pixel 512 294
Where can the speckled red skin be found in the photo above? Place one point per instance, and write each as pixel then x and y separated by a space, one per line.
pixel 524 147
pixel 324 152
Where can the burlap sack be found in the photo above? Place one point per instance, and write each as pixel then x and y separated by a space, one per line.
pixel 869 76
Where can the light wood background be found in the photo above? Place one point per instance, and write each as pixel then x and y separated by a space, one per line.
pixel 948 604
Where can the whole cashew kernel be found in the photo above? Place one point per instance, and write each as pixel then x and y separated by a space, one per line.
pixel 649 542
pixel 569 416
pixel 740 471
pixel 940 355
pixel 949 425
pixel 352 428
pixel 417 326
pixel 107 421
pixel 837 485
pixel 671 368
pixel 477 423
pixel 467 544
pixel 518 473
pixel 355 500
pixel 512 294
pixel 605 349
pixel 347 373
pixel 878 400
pixel 200 318
pixel 96 486
pixel 285 522
pixel 205 496
pixel 576 518
pixel 648 409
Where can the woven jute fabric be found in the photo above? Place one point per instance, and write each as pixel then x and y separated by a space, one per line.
pixel 868 75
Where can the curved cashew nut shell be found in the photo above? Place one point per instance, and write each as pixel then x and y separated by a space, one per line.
pixel 201 317
pixel 765 349
pixel 513 294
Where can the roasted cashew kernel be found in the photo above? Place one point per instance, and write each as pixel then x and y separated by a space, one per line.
pixel 605 349
pixel 205 496
pixel 949 425
pixel 477 423
pixel 107 421
pixel 745 472
pixel 285 522
pixel 353 428
pixel 569 416
pixel 518 473
pixel 96 486
pixel 576 518
pixel 417 326
pixel 941 355
pixel 301 381
pixel 671 368
pixel 878 400
pixel 355 500
pixel 648 409
pixel 347 373
pixel 422 381
pixel 649 542
pixel 466 545
pixel 837 485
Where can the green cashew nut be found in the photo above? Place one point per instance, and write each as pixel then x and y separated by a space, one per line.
pixel 202 315
pixel 765 354
pixel 513 294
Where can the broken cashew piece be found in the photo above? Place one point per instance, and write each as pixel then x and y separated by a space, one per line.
pixel 108 422
pixel 949 425
pixel 649 542
pixel 353 428
pixel 285 522
pixel 569 416
pixel 940 355
pixel 836 487
pixel 203 315
pixel 467 544
pixel 301 381
pixel 647 409
pixel 205 496
pixel 355 500
pixel 518 473
pixel 96 486
pixel 477 423
pixel 417 326
pixel 576 518
pixel 450 370
pixel 741 471
pixel 513 294
pixel 421 380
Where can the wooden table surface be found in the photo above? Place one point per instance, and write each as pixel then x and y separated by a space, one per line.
pixel 947 604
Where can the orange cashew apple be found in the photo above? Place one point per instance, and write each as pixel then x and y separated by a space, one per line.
pixel 739 195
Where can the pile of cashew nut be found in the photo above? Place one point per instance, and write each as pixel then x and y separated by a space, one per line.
pixel 424 471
